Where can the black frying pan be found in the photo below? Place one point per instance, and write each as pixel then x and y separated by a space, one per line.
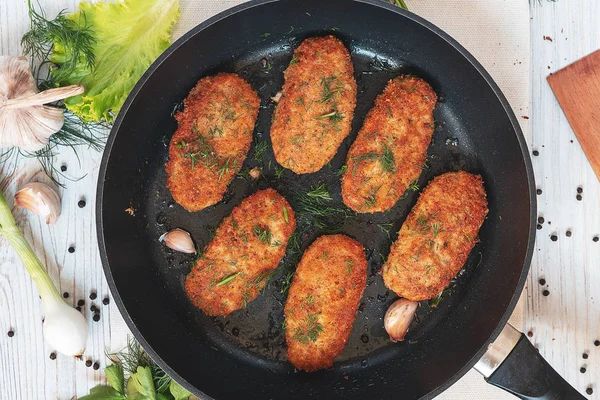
pixel 243 355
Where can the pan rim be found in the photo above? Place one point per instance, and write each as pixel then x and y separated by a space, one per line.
pixel 257 3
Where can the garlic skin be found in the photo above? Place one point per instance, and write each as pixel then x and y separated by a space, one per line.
pixel 277 97
pixel 179 240
pixel 255 173
pixel 398 317
pixel 24 121
pixel 65 328
pixel 40 199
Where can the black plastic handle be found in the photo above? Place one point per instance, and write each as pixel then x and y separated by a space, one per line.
pixel 527 375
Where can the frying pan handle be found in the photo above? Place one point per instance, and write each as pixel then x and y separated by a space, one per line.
pixel 513 364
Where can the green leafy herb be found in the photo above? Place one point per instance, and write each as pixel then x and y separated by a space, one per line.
pixel 145 381
pixel 286 283
pixel 349 264
pixel 386 228
pixel 279 171
pixel 342 170
pixel 129 36
pixel 227 279
pixel 386 159
pixel 434 302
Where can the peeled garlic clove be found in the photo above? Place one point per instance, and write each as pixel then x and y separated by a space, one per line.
pixel 179 240
pixel 277 97
pixel 398 317
pixel 254 173
pixel 40 199
pixel 24 121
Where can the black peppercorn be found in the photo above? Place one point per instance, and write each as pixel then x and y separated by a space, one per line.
pixel 93 308
pixel 11 333
pixel 539 227
pixel 530 334
pixel 106 301
pixel 582 370
pixel 96 366
pixel 554 238
pixel 579 189
pixel 63 168
pixel 539 191
pixel 596 343
pixel 536 153
pixel 88 363
pixel 80 302
pixel 546 293
pixel 540 220
pixel 71 249
pixel 589 390
pixel 93 295
pixel 568 233
pixel 53 356
pixel 578 197
pixel 595 239
pixel 585 356
pixel 81 203
pixel 542 281
pixel 78 308
pixel 66 295
pixel 96 317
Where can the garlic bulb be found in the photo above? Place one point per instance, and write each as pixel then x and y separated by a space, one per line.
pixel 179 240
pixel 24 120
pixel 40 199
pixel 398 317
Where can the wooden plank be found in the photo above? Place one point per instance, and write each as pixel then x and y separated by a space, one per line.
pixel 577 88
pixel 565 323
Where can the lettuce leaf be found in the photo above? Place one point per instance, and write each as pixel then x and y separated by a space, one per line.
pixel 130 35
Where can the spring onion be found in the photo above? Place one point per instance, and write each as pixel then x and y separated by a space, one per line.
pixel 65 328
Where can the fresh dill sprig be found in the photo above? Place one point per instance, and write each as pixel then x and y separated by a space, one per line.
pixel 264 235
pixel 75 37
pixel 331 87
pixel 386 228
pixel 78 41
pixel 279 171
pixel 311 332
pixel 320 192
pixel 316 203
pixel 259 150
pixel 386 159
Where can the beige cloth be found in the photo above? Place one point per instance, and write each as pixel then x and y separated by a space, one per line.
pixel 497 33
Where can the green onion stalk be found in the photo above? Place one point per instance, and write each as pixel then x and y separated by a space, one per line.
pixel 65 328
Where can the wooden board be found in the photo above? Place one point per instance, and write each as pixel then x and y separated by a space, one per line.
pixel 577 88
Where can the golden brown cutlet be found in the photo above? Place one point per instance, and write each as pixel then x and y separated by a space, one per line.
pixel 322 301
pixel 390 149
pixel 212 140
pixel 315 111
pixel 437 236
pixel 246 249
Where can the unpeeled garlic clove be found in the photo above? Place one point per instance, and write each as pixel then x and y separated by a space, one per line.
pixel 179 240
pixel 254 173
pixel 40 199
pixel 277 97
pixel 398 317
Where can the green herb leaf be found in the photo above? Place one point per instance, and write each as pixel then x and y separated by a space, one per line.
pixel 264 235
pixel 115 377
pixel 102 392
pixel 178 391
pixel 140 385
pixel 130 35
pixel 285 214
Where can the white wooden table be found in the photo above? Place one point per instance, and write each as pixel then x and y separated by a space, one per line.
pixel 564 324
